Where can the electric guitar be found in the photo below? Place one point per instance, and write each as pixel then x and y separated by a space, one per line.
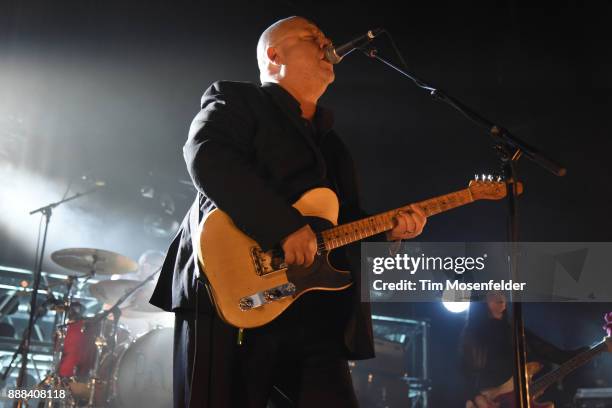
pixel 251 287
pixel 503 396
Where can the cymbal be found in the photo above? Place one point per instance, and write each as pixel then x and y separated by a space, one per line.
pixel 89 260
pixel 139 303
pixel 111 290
pixel 137 310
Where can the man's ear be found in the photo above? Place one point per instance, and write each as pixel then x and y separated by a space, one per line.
pixel 272 54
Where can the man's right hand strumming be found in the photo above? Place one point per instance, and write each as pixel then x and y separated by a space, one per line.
pixel 300 247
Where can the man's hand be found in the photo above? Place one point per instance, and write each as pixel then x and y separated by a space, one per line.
pixel 408 224
pixel 608 340
pixel 300 247
pixel 480 401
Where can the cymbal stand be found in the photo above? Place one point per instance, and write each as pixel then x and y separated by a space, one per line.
pixel 101 344
pixel 52 379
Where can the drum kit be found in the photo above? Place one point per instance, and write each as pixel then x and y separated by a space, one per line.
pixel 96 360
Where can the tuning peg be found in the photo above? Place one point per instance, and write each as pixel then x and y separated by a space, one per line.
pixel 499 179
pixel 489 177
pixel 476 177
pixel 484 177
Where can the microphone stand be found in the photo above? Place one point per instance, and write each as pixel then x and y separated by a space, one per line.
pixel 46 211
pixel 509 149
pixel 41 312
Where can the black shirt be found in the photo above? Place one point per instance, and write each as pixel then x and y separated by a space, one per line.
pixel 323 120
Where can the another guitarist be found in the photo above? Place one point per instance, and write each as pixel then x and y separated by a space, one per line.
pixel 486 350
pixel 252 151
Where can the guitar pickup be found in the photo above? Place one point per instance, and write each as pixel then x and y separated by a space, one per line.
pixel 267 262
pixel 266 296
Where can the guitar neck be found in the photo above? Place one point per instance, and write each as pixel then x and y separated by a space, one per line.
pixel 357 230
pixel 547 380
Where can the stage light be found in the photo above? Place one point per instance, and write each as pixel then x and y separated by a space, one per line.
pixel 27 191
pixel 456 301
pixel 147 191
pixel 456 307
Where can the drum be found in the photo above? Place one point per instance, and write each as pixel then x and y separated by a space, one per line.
pixel 78 349
pixel 142 372
pixel 76 342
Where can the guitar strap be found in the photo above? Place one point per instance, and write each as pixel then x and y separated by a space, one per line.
pixel 194 222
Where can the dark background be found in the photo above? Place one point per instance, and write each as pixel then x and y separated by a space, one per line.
pixel 107 90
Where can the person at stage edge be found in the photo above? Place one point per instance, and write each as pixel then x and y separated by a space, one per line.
pixel 252 151
pixel 486 350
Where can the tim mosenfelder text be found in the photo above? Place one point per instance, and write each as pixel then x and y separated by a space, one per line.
pixel 429 285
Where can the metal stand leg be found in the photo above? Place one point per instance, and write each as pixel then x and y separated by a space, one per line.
pixel 100 345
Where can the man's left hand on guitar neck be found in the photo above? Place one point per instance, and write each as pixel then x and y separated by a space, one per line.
pixel 407 224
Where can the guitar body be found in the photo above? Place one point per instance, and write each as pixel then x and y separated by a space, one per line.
pixel 251 288
pixel 504 395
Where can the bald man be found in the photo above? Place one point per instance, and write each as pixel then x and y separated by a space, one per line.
pixel 252 151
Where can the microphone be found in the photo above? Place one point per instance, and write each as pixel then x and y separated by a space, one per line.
pixel 334 55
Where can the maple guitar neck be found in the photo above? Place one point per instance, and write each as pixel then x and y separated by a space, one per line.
pixel 357 230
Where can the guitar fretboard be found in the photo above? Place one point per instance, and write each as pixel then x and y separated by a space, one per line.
pixel 357 230
pixel 548 379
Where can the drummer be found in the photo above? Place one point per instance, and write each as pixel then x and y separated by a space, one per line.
pixel 150 261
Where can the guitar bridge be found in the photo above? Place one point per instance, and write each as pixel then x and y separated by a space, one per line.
pixel 267 296
pixel 267 262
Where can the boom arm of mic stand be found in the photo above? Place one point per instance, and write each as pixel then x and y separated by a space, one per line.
pixel 51 206
pixel 497 132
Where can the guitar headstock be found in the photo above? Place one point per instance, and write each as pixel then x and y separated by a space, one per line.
pixel 488 187
pixel 608 328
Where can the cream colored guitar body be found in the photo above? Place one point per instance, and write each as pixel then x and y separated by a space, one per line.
pixel 251 288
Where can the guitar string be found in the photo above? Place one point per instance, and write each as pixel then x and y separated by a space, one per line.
pixel 440 203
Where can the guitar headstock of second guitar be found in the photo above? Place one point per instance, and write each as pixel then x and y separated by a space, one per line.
pixel 489 187
pixel 608 329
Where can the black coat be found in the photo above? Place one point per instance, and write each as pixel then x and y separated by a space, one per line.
pixel 251 154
